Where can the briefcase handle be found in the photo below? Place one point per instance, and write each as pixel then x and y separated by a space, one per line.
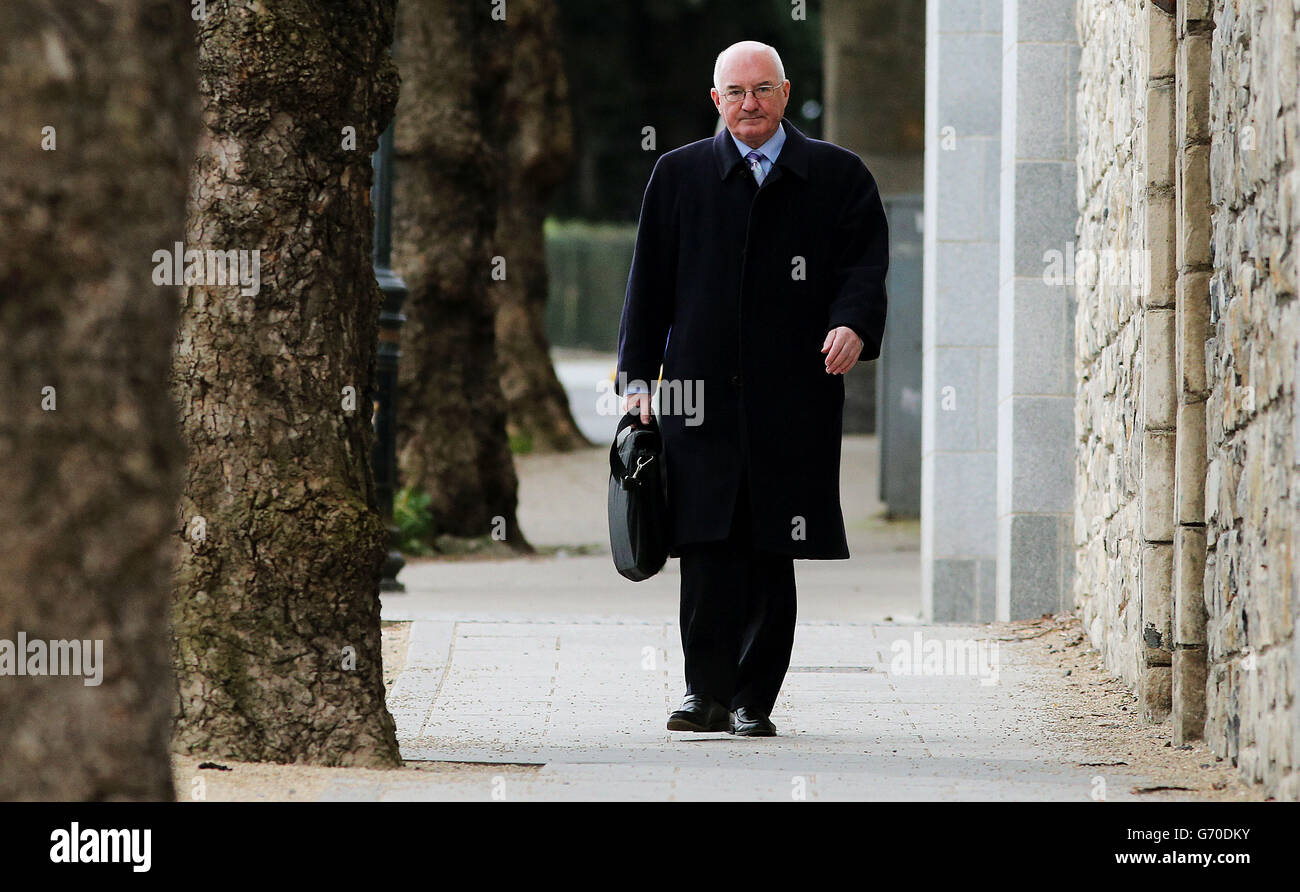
pixel 616 466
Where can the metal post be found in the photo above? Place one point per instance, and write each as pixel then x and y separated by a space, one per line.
pixel 387 356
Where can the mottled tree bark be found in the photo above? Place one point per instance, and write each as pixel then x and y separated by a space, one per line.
pixel 277 610
pixel 538 132
pixel 451 413
pixel 91 468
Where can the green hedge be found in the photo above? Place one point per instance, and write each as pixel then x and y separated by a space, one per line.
pixel 588 265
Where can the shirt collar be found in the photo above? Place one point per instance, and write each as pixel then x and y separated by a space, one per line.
pixel 794 155
pixel 768 150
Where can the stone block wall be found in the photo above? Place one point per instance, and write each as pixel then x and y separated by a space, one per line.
pixel 1114 77
pixel 1189 168
pixel 1252 498
pixel 1187 412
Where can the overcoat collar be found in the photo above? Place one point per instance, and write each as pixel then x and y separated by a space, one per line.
pixel 793 157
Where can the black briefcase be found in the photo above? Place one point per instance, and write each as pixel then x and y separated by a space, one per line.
pixel 639 521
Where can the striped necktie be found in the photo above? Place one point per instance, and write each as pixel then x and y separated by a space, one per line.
pixel 755 158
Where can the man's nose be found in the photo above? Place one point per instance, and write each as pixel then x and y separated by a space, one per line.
pixel 750 103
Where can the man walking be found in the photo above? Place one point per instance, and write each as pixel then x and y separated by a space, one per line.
pixel 758 280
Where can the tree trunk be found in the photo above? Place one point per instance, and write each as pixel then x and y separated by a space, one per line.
pixel 277 609
pixel 451 413
pixel 91 456
pixel 538 132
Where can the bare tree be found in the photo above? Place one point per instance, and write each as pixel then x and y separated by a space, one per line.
pixel 451 412
pixel 277 610
pixel 98 107
pixel 537 132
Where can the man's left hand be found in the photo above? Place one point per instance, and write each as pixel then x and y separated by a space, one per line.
pixel 842 348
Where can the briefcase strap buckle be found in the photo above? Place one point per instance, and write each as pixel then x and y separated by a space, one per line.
pixel 641 461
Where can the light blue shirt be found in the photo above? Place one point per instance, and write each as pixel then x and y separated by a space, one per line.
pixel 768 152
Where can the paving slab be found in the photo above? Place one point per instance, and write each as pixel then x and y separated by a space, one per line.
pixel 557 664
pixel 585 702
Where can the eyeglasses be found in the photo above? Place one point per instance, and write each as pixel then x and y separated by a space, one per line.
pixel 761 92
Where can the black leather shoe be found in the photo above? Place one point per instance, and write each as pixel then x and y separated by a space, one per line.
pixel 700 713
pixel 749 722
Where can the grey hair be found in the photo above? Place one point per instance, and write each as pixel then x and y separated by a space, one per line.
pixel 752 44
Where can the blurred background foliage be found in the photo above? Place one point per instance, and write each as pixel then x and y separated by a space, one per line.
pixel 587 263
pixel 414 521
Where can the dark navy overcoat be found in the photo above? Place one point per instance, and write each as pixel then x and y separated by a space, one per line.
pixel 732 290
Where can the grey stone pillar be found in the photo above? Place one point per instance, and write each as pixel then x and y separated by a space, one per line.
pixel 1035 390
pixel 963 100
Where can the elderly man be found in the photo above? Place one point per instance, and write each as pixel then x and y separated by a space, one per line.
pixel 758 280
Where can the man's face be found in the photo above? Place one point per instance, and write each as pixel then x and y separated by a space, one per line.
pixel 752 121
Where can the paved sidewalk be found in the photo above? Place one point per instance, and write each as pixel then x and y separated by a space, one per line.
pixel 551 678
pixel 557 676
pixel 586 703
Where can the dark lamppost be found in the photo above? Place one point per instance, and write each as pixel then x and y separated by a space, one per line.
pixel 387 356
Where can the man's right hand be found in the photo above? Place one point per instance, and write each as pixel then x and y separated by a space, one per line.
pixel 639 403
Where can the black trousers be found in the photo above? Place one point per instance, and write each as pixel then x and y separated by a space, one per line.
pixel 737 616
